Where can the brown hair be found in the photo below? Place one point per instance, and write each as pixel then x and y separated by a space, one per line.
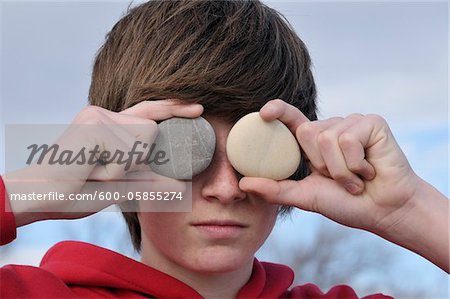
pixel 230 56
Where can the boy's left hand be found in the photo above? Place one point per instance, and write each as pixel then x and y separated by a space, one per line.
pixel 359 175
pixel 360 178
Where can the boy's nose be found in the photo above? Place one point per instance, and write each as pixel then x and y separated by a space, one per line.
pixel 222 182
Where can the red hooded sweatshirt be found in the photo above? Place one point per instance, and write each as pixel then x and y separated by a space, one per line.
pixel 80 270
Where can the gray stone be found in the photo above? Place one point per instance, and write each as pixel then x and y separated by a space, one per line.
pixel 189 145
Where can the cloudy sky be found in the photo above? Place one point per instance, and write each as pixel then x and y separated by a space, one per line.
pixel 369 57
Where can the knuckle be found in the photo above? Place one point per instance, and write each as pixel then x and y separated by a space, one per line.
pixel 306 131
pixel 150 131
pixel 325 138
pixel 148 124
pixel 355 116
pixel 322 168
pixel 90 114
pixel 336 119
pixel 341 176
pixel 346 140
pixel 278 102
pixel 152 124
pixel 92 110
pixel 375 118
pixel 354 165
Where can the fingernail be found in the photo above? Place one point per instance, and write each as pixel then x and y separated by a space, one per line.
pixel 268 112
pixel 353 188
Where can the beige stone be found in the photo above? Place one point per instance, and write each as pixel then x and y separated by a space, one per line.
pixel 258 148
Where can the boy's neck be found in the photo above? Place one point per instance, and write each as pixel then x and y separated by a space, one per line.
pixel 218 285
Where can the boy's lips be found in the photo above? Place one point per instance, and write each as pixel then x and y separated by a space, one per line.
pixel 220 229
pixel 219 223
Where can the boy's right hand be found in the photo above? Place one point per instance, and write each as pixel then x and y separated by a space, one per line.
pixel 108 131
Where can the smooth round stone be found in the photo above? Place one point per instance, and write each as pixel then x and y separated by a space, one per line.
pixel 188 144
pixel 258 148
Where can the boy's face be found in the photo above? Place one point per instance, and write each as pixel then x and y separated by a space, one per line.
pixel 224 230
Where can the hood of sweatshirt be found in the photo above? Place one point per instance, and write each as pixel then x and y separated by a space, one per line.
pixel 89 266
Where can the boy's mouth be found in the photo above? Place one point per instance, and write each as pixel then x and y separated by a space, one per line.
pixel 220 229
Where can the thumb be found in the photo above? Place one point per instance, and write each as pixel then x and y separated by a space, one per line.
pixel 314 193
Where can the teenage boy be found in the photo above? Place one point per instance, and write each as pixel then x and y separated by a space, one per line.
pixel 221 60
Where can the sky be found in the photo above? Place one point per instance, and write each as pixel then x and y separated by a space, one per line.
pixel 380 57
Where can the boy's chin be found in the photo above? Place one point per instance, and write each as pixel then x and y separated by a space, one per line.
pixel 221 261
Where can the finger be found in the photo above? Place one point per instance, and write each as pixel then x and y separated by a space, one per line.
pixel 117 151
pixel 307 135
pixel 328 142
pixel 337 167
pixel 285 192
pixel 351 143
pixel 111 154
pixel 141 134
pixel 86 144
pixel 143 129
pixel 343 148
pixel 315 193
pixel 94 119
pixel 270 190
pixel 131 128
pixel 120 142
pixel 164 109
pixel 291 116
